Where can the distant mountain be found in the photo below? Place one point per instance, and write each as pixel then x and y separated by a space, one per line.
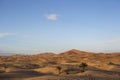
pixel 6 54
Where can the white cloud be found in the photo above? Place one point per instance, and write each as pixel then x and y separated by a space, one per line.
pixel 3 34
pixel 52 16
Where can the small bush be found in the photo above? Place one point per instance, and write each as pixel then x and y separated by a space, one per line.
pixel 59 68
pixel 111 63
pixel 82 66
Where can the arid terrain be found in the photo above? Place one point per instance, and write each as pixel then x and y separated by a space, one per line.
pixel 70 65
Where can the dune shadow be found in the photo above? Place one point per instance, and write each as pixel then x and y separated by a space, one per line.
pixel 21 74
pixel 89 77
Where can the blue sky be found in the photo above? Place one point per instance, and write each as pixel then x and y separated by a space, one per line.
pixel 31 26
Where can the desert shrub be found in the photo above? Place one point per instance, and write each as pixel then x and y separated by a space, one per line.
pixel 82 66
pixel 110 63
pixel 59 68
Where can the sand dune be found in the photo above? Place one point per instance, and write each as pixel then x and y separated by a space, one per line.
pixel 100 66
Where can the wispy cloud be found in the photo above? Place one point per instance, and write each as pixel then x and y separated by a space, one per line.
pixel 4 34
pixel 52 16
pixel 113 41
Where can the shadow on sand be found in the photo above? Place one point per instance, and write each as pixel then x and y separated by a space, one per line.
pixel 19 75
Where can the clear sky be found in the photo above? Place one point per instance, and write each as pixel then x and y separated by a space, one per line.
pixel 31 26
